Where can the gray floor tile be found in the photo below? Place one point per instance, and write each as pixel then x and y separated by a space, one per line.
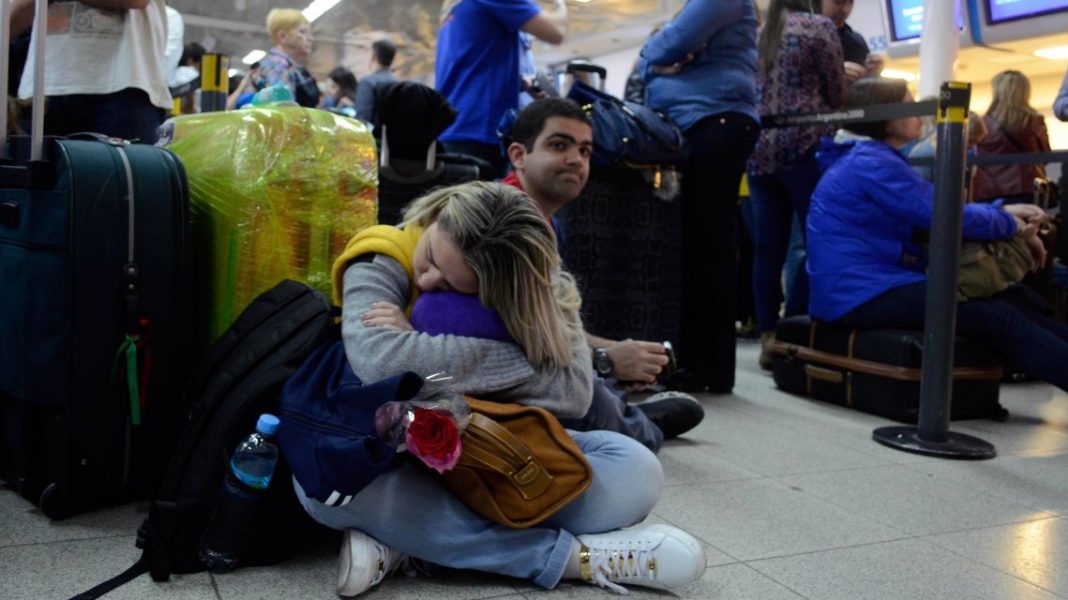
pixel 1039 480
pixel 24 524
pixel 736 582
pixel 893 570
pixel 763 518
pixel 713 556
pixel 688 461
pixel 1036 552
pixel 912 502
pixel 63 569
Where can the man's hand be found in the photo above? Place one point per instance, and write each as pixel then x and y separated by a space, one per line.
pixel 637 361
pixel 874 64
pixel 854 71
pixel 384 314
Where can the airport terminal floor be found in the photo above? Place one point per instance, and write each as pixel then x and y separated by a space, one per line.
pixel 790 497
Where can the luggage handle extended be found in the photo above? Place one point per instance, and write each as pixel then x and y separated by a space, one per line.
pixel 37 117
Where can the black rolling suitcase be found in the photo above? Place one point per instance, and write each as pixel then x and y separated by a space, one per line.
pixel 95 304
pixel 621 243
pixel 408 119
pixel 877 371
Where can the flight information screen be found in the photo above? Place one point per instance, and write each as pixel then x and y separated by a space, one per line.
pixel 906 18
pixel 1000 11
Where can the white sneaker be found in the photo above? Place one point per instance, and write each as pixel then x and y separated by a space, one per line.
pixel 656 556
pixel 364 563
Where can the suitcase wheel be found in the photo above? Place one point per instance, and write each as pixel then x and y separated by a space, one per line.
pixel 53 503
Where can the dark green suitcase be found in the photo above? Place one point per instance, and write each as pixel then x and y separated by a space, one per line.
pixel 86 273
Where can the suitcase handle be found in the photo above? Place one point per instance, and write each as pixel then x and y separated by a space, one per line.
pixel 828 375
pixel 9 214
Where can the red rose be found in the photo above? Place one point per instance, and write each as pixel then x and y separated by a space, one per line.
pixel 434 439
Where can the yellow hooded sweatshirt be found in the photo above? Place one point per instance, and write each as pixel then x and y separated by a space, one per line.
pixel 398 244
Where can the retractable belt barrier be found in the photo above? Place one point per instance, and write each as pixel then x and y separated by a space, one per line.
pixel 931 436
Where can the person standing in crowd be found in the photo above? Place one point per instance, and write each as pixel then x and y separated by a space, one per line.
pixel 489 239
pixel 477 67
pixel 382 54
pixel 800 72
pixel 1060 105
pixel 700 69
pixel 343 89
pixel 860 232
pixel 104 67
pixel 284 64
pixel 859 61
pixel 1012 127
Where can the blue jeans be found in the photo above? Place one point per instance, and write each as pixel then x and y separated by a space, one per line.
pixel 610 412
pixel 776 198
pixel 411 511
pixel 126 114
pixel 1027 340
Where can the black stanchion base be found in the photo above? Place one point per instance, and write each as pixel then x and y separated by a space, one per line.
pixel 956 445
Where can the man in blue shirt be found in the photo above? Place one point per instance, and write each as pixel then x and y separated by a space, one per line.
pixel 382 54
pixel 477 67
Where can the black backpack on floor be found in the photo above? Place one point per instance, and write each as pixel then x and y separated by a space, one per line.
pixel 240 377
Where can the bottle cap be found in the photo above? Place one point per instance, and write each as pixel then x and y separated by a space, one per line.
pixel 268 424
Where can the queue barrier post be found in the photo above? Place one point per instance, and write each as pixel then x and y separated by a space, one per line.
pixel 931 436
pixel 214 82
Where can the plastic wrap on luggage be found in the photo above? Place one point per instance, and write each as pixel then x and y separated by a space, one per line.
pixel 276 192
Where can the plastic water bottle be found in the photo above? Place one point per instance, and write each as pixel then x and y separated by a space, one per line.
pixel 246 480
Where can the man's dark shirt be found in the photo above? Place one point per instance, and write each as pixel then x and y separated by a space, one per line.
pixel 854 47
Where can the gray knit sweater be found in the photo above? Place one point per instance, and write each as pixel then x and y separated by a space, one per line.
pixel 486 369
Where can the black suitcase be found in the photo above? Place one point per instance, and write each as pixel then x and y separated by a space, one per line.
pixel 877 371
pixel 621 242
pixel 95 288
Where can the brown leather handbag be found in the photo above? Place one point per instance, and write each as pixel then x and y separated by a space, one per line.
pixel 519 466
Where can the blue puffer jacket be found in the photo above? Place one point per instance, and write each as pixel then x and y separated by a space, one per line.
pixel 860 225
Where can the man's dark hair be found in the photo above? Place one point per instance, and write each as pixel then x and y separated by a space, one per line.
pixel 192 52
pixel 531 120
pixel 869 91
pixel 384 51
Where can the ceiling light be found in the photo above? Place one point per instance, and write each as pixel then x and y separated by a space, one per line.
pixel 895 74
pixel 233 72
pixel 253 56
pixel 317 8
pixel 1054 53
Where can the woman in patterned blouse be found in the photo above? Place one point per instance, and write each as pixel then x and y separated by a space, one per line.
pixel 800 71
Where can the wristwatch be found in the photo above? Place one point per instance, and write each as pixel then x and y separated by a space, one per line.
pixel 602 362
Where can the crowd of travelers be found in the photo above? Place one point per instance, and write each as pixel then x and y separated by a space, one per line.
pixel 845 199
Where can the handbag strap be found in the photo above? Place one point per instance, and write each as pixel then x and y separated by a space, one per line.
pixel 490 446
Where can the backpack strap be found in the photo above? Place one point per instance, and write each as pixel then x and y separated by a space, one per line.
pixel 135 571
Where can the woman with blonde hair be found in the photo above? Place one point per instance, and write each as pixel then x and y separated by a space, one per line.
pixel 1012 127
pixel 490 240
pixel 291 35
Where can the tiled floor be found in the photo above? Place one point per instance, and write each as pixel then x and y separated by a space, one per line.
pixel 791 497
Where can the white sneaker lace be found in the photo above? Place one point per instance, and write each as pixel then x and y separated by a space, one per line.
pixel 629 561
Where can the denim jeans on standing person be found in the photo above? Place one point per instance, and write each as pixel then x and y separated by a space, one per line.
pixel 795 264
pixel 1028 340
pixel 411 511
pixel 126 114
pixel 609 411
pixel 719 147
pixel 776 198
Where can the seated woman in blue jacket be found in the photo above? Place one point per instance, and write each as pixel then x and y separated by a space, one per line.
pixel 860 243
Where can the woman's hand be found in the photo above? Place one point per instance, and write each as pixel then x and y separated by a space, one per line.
pixel 1029 213
pixel 384 314
pixel 1038 251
